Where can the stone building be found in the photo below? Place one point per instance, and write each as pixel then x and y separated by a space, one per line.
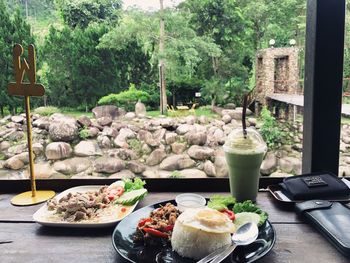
pixel 277 73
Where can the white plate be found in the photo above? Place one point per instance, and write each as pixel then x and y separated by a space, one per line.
pixel 41 216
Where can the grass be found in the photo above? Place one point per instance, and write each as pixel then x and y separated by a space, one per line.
pixel 75 113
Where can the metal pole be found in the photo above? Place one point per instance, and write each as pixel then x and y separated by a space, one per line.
pixel 30 148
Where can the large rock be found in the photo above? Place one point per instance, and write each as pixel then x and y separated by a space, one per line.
pixel 170 137
pixel 108 165
pixel 156 157
pixel 63 128
pixel 290 165
pixel 87 148
pixel 226 118
pixel 127 154
pixel 124 133
pixel 178 147
pixel 104 142
pixel 184 128
pixel 196 138
pixel 140 109
pixel 192 173
pixel 110 132
pixel 72 166
pixel 221 166
pixel 209 168
pixel 4 145
pixel 58 150
pixel 107 111
pixel 136 167
pixel 199 152
pixel 176 162
pixel 14 163
pixel 123 174
pixel 84 121
pixel 42 171
pixel 14 135
pixel 269 164
pixel 42 123
pixel 17 119
pixel 17 149
pixel 105 121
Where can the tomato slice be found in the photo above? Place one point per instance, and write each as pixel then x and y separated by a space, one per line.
pixel 229 213
pixel 155 232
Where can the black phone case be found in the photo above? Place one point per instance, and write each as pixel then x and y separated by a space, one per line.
pixel 332 219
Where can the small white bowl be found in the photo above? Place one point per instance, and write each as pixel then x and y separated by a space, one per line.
pixel 189 200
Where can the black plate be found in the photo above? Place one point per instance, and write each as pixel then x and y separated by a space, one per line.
pixel 123 242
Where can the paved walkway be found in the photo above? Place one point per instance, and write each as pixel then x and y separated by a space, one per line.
pixel 298 100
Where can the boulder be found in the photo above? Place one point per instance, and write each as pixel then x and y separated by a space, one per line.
pixel 170 137
pixel 17 149
pixel 140 109
pixel 269 164
pixel 72 166
pixel 123 174
pixel 107 111
pixel 196 138
pixel 136 167
pixel 192 173
pixel 177 162
pixel 93 131
pixel 130 115
pixel 14 135
pixel 190 119
pixel 226 118
pixel 42 123
pixel 104 121
pixel 290 165
pixel 58 150
pixel 17 119
pixel 108 165
pixel 84 121
pixel 167 123
pixel 38 148
pixel 156 157
pixel 87 148
pixel 110 132
pixel 221 166
pixel 344 171
pixel 200 153
pixel 127 154
pixel 209 168
pixel 42 171
pixel 104 142
pixel 4 146
pixel 63 129
pixel 184 128
pixel 178 147
pixel 14 163
pixel 124 133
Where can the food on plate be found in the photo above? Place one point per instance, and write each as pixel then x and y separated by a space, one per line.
pixel 198 232
pixel 220 202
pixel 245 217
pixel 157 229
pixel 249 206
pixel 97 206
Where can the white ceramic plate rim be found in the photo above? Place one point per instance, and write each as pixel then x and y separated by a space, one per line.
pixel 42 212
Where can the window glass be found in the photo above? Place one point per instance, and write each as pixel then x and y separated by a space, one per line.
pixel 153 88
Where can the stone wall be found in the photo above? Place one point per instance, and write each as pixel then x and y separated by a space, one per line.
pixel 277 71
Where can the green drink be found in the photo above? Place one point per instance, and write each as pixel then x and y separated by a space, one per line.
pixel 244 157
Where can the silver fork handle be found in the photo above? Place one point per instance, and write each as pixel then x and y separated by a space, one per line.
pixel 213 255
pixel 224 254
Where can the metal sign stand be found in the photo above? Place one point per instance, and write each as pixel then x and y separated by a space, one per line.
pixel 19 88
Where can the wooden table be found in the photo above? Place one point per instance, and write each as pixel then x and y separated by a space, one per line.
pixel 30 242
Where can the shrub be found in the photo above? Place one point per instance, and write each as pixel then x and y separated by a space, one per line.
pixel 84 133
pixel 47 111
pixel 136 146
pixel 175 174
pixel 125 99
pixel 270 130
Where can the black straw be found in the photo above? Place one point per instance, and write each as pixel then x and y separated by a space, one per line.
pixel 244 111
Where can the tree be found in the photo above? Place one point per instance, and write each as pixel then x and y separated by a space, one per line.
pixel 80 13
pixel 12 30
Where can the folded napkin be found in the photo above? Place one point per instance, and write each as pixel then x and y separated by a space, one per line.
pixel 315 185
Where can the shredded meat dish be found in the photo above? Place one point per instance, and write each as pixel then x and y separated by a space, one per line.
pixel 158 227
pixel 80 206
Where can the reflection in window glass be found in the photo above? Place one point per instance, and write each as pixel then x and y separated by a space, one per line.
pixel 153 90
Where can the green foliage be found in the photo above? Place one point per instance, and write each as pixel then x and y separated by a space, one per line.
pixel 125 99
pixel 249 206
pixel 84 133
pixel 135 184
pixel 175 174
pixel 271 130
pixel 220 202
pixel 80 13
pixel 136 146
pixel 2 157
pixel 47 111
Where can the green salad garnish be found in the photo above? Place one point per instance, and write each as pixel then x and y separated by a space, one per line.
pixel 131 185
pixel 249 206
pixel 219 202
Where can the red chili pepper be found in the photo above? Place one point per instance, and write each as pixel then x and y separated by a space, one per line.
pixel 155 232
pixel 229 213
pixel 142 222
pixel 169 228
pixel 123 209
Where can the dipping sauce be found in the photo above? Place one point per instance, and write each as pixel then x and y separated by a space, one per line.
pixel 189 200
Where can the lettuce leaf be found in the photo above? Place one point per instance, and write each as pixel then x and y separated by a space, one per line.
pixel 249 206
pixel 131 185
pixel 220 202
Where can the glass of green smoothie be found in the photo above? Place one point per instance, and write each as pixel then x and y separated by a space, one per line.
pixel 244 154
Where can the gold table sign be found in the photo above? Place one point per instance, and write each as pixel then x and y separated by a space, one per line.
pixel 19 88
